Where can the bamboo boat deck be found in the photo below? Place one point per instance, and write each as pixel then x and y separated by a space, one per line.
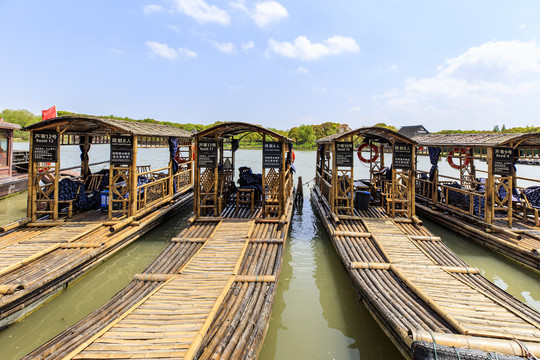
pixel 37 261
pixel 420 291
pixel 521 242
pixel 208 295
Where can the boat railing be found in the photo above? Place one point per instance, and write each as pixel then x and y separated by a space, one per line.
pixel 469 199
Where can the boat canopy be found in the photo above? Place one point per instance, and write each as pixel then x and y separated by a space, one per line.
pixel 494 195
pixel 388 186
pixel 130 187
pixel 266 194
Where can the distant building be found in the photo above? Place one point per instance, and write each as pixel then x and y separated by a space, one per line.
pixel 413 130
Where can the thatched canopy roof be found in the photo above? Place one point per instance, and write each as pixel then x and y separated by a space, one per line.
pixel 377 133
pixel 478 140
pixel 7 125
pixel 89 125
pixel 230 129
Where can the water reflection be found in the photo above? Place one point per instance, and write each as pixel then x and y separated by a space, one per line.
pixel 337 326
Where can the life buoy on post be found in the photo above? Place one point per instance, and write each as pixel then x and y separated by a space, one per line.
pixel 293 156
pixel 374 151
pixel 461 152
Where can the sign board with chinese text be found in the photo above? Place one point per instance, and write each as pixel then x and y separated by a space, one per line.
pixel 272 154
pixel 121 149
pixel 402 156
pixel 45 146
pixel 503 159
pixel 344 154
pixel 207 154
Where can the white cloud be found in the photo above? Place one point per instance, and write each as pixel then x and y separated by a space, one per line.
pixel 187 53
pixel 303 49
pixel 168 52
pixel 355 109
pixel 496 81
pixel 264 13
pixel 522 26
pixel 202 12
pixel 152 8
pixel 162 50
pixel 268 12
pixel 174 28
pixel 248 45
pixel 225 47
pixel 236 88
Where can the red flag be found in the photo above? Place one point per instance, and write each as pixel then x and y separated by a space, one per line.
pixel 48 114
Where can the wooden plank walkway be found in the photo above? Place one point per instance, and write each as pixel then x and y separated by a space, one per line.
pixel 41 243
pixel 421 292
pixel 172 321
pixel 36 262
pixel 208 295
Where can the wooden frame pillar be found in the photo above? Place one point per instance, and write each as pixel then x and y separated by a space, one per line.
pixel 30 213
pixel 490 187
pixel 56 176
pixel 263 203
pixel 333 193
pixel 412 184
pixel 133 177
pixel 197 181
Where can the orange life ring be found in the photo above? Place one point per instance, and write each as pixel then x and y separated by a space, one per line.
pixel 461 152
pixel 293 156
pixel 374 149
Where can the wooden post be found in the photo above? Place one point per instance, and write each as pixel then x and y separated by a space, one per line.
pixel 412 184
pixel 333 193
pixel 171 174
pixel 30 213
pixel 197 185
pixel 282 181
pixel 490 187
pixel 216 181
pixel 56 176
pixel 133 176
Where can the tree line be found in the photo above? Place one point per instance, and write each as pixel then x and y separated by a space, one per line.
pixel 303 136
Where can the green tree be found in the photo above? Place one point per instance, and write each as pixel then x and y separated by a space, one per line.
pixel 503 129
pixel 496 128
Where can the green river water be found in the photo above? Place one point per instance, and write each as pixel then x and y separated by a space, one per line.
pixel 316 314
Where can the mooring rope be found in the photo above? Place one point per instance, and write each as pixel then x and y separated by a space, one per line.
pixel 457 353
pixel 434 345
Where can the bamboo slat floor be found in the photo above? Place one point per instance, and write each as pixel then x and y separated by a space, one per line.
pixel 525 250
pixel 37 262
pixel 423 294
pixel 208 295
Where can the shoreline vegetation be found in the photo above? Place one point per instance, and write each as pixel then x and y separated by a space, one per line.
pixel 304 136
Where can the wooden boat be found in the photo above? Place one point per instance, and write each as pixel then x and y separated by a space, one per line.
pixel 11 181
pixel 495 207
pixel 70 227
pixel 210 293
pixel 427 300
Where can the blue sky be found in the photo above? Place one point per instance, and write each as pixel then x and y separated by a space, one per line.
pixel 445 64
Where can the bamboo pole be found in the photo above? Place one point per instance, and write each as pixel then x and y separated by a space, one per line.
pixel 30 206
pixel 133 177
pixel 507 347
pixel 15 224
pixel 56 176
